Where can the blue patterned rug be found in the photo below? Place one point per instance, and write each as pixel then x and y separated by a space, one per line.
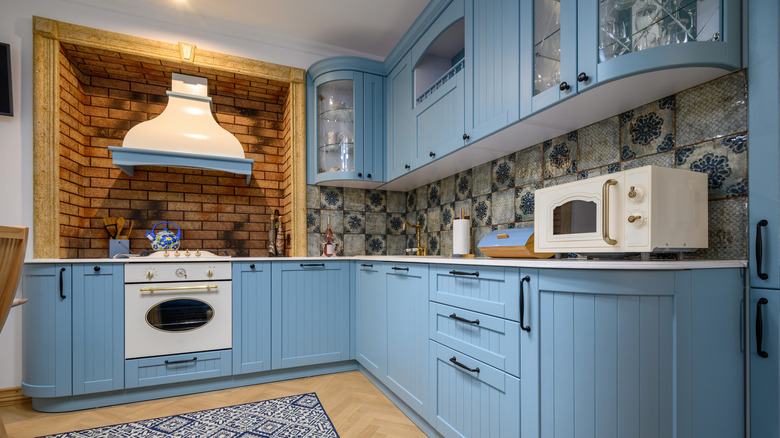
pixel 298 416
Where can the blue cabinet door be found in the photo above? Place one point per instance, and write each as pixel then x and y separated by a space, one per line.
pixel 371 317
pixel 764 362
pixel 46 331
pixel 439 122
pixel 373 128
pixel 98 327
pixel 251 317
pixel 400 135
pixel 492 51
pixel 311 315
pixel 407 334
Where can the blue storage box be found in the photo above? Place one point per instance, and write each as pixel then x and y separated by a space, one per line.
pixel 512 242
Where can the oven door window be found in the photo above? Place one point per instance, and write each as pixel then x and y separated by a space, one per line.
pixel 179 315
pixel 574 217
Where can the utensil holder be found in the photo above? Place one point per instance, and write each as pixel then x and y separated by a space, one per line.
pixel 118 246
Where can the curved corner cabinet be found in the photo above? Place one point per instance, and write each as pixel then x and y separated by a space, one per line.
pixel 660 46
pixel 346 122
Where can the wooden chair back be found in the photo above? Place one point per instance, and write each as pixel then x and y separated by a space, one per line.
pixel 13 244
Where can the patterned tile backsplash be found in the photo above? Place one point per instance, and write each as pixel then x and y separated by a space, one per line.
pixel 703 129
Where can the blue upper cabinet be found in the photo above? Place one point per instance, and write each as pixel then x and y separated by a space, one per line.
pixel 346 122
pixel 399 119
pixel 569 46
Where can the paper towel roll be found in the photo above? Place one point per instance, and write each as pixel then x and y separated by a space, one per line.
pixel 461 236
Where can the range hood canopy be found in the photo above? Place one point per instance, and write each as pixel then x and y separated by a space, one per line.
pixel 184 135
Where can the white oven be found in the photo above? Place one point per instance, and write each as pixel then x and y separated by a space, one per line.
pixel 177 307
pixel 642 210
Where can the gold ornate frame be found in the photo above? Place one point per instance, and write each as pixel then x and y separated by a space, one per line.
pixel 48 34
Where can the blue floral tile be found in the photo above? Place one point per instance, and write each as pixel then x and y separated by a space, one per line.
pixel 463 185
pixel 332 198
pixel 313 248
pixel 715 109
pixel 313 221
pixel 503 170
pixel 339 238
pixel 480 211
pixel 434 194
pixel 447 189
pixel 560 180
pixel 665 159
pixel 434 243
pixel 376 223
pixel 411 201
pixel 585 174
pixel 647 129
pixel 354 244
pixel 376 200
pixel 411 241
pixel 411 218
pixel 528 165
pixel 724 160
pixel 610 168
pixel 599 143
pixel 333 217
pixel 422 220
pixel 462 208
pixel 481 175
pixel 355 222
pixel 376 244
pixel 396 202
pixel 396 245
pixel 433 216
pixel 524 202
pixel 445 243
pixel 354 199
pixel 422 197
pixel 447 216
pixel 312 196
pixel 395 222
pixel 503 204
pixel 478 233
pixel 560 157
pixel 727 230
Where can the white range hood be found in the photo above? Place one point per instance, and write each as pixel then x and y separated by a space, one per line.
pixel 184 135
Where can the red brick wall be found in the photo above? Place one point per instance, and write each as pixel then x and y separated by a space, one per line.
pixel 286 168
pixel 103 95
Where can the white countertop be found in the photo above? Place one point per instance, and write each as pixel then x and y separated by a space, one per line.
pixel 653 265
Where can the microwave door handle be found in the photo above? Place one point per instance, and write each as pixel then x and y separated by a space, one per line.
pixel 605 211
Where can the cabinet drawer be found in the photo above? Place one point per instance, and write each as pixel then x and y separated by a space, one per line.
pixel 492 340
pixel 177 368
pixel 469 403
pixel 490 290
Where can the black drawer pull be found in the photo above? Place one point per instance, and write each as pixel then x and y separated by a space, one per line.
pixel 760 328
pixel 453 272
pixel 455 361
pixel 456 317
pixel 396 268
pixel 760 249
pixel 366 265
pixel 522 303
pixel 96 269
pixel 305 265
pixel 174 362
pixel 62 285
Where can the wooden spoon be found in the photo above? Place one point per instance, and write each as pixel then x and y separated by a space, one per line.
pixel 120 224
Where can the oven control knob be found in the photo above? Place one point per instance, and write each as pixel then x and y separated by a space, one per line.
pixel 636 194
pixel 636 218
pixel 181 273
pixel 209 273
pixel 150 273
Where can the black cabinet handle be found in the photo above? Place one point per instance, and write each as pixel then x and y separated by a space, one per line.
pixel 522 303
pixel 432 154
pixel 366 265
pixel 760 328
pixel 455 361
pixel 396 268
pixel 582 77
pixel 458 318
pixel 368 175
pixel 564 86
pixel 406 166
pixel 174 362
pixel 305 265
pixel 96 269
pixel 62 285
pixel 453 272
pixel 466 137
pixel 760 249
pixel 252 266
pixel 360 174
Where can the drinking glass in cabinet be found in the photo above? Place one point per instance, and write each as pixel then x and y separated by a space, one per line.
pixel 633 25
pixel 336 126
pixel 547 44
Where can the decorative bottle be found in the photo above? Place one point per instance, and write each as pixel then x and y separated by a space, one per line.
pixel 329 242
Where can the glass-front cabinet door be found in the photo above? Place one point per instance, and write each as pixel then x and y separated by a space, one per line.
pixel 336 133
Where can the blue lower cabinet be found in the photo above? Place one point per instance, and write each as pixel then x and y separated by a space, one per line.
pixel 484 289
pixel 371 317
pixel 251 317
pixel 407 334
pixel 470 398
pixel 176 368
pixel 764 362
pixel 312 314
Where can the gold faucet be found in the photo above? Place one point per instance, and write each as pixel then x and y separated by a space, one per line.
pixel 420 250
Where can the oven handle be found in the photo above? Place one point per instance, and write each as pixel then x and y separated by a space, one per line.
pixel 206 287
pixel 605 211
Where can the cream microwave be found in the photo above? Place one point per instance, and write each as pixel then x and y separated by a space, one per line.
pixel 643 210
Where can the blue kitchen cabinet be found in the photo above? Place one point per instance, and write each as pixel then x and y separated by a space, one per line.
pixel 639 353
pixel 569 46
pixel 486 289
pixel 371 317
pixel 400 139
pixel 346 141
pixel 764 329
pixel 312 315
pixel 72 329
pixel 251 317
pixel 407 334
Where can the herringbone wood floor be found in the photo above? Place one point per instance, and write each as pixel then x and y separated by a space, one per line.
pixel 356 407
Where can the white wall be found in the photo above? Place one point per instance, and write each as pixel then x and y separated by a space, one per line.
pixel 123 16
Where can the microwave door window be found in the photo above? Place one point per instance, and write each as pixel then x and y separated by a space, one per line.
pixel 574 217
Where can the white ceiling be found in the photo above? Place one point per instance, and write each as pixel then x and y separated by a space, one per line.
pixel 372 27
